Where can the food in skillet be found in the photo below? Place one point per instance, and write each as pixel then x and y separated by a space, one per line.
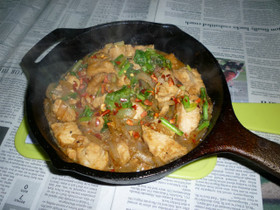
pixel 128 108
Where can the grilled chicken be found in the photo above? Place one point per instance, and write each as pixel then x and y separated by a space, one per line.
pixel 65 133
pixel 187 121
pixel 190 79
pixel 123 151
pixel 164 92
pixel 104 66
pixel 161 145
pixel 95 83
pixel 93 156
pixel 116 50
pixel 63 111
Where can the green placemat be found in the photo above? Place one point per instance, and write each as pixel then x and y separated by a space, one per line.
pixel 259 117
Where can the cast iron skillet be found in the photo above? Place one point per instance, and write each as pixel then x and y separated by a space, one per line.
pixel 225 134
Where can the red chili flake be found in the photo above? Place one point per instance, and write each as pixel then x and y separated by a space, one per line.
pixel 106 80
pixel 97 135
pixel 103 88
pixel 167 75
pixel 115 111
pixel 105 112
pixel 163 76
pixel 170 81
pixel 148 103
pixel 94 56
pixel 129 122
pixel 143 91
pixel 134 106
pixel 135 134
pixel 79 104
pixel 117 105
pixel 186 135
pixel 143 114
pixel 75 85
pixel 82 86
pixel 172 120
pixel 84 94
pixel 92 97
pixel 112 170
pixel 81 73
pixel 198 100
pixel 137 100
pixel 176 100
pixel 154 78
pixel 193 140
pixel 118 62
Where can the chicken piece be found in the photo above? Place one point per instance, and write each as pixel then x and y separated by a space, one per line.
pixel 123 80
pixel 123 151
pixel 104 66
pixel 65 133
pixel 116 50
pixel 176 64
pixel 164 92
pixel 95 83
pixel 143 47
pixel 139 111
pixel 93 156
pixel 190 79
pixel 164 110
pixel 187 121
pixel 73 80
pixel 162 146
pixel 71 153
pixel 98 101
pixel 63 111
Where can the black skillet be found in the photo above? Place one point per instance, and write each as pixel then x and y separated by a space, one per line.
pixel 225 134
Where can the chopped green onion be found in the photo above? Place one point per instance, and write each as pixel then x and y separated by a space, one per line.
pixel 83 119
pixel 186 102
pixel 204 124
pixel 149 59
pixel 205 111
pixel 171 126
pixel 205 103
pixel 203 93
pixel 87 112
pixel 141 96
pixel 125 67
pixel 189 68
pixel 191 107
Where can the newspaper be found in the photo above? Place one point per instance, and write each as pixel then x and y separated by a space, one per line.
pixel 244 36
